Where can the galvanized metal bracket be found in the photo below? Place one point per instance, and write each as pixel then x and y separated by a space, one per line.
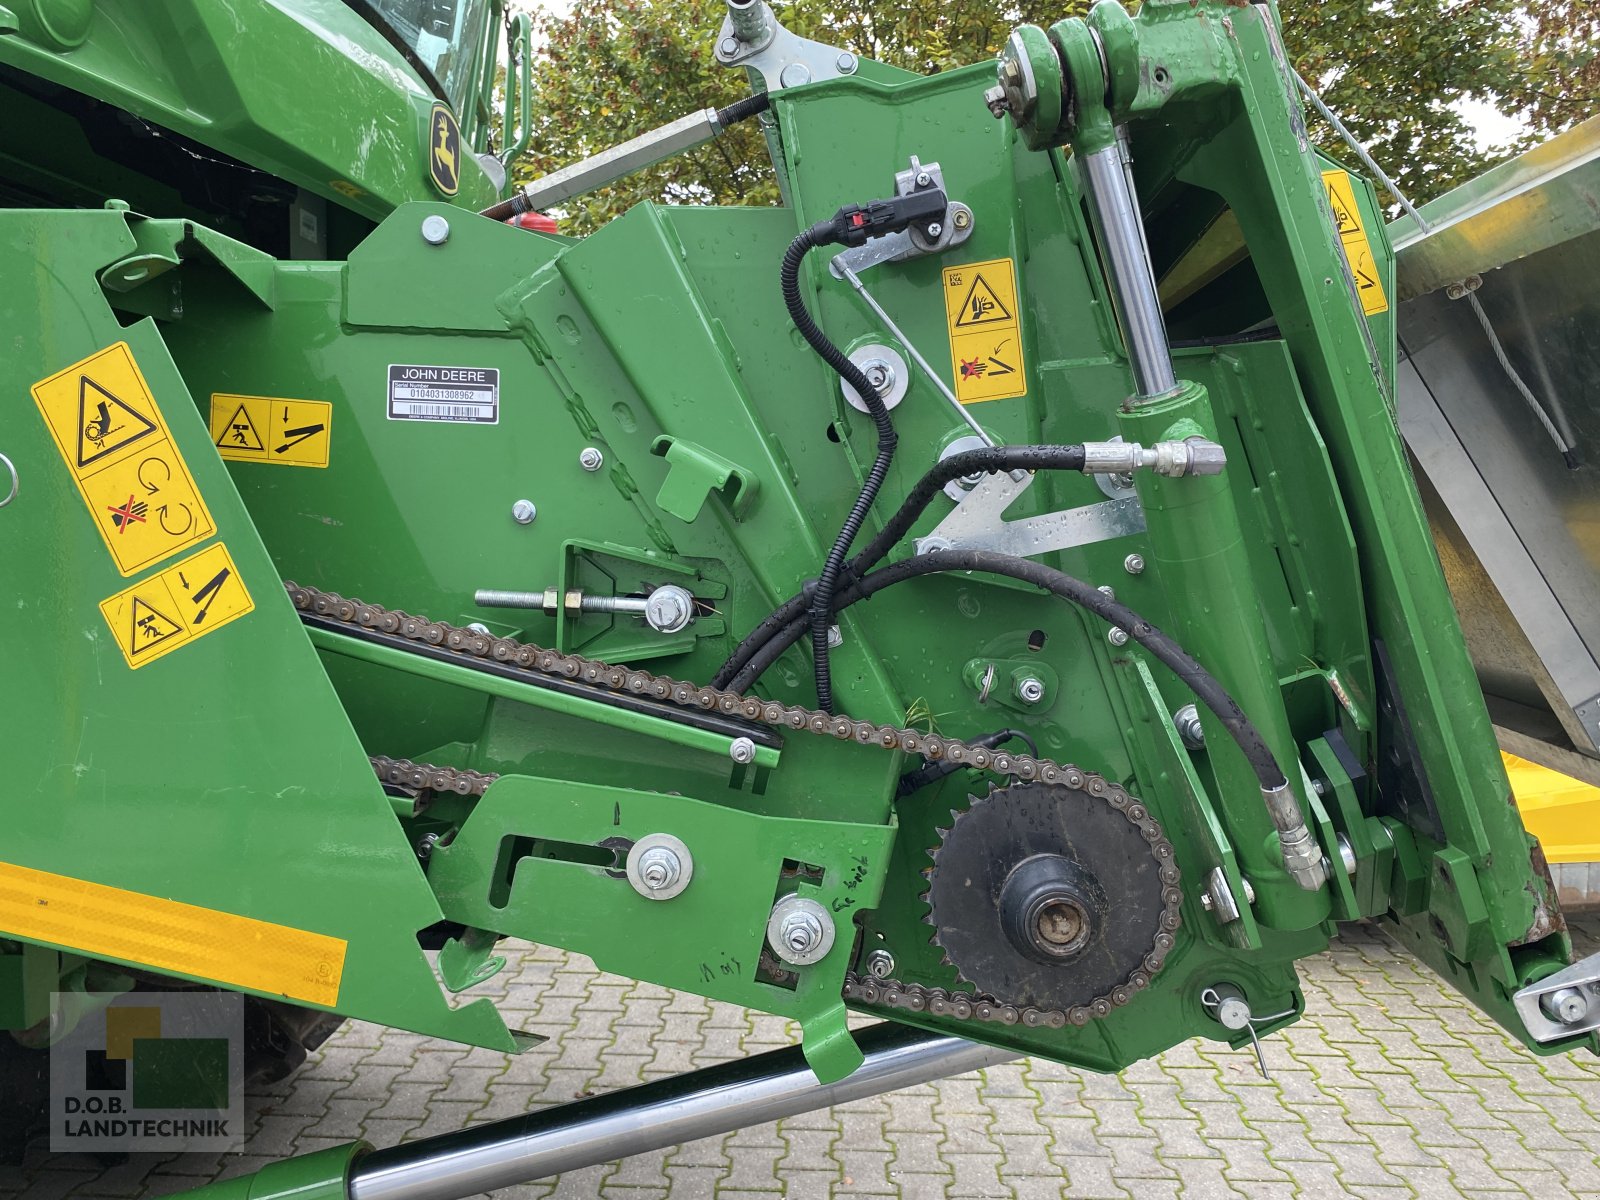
pixel 1574 991
pixel 978 522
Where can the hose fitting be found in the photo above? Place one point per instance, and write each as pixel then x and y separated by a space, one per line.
pixel 1192 456
pixel 1302 856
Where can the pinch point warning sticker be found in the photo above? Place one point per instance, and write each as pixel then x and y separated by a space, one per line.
pixel 985 335
pixel 177 606
pixel 267 429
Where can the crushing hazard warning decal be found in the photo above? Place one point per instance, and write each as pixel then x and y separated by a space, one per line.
pixel 980 301
pixel 111 434
pixel 1353 237
pixel 265 429
pixel 172 609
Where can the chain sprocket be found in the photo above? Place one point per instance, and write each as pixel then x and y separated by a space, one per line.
pixel 335 609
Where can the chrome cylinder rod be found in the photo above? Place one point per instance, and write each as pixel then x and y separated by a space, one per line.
pixel 667 1112
pixel 1114 210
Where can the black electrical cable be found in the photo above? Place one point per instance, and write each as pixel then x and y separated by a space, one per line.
pixel 821 234
pixel 988 460
pixel 1167 651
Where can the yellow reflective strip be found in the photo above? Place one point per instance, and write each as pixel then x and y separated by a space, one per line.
pixel 169 935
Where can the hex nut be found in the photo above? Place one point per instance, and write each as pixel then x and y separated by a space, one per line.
pixel 663 857
pixel 523 512
pixel 800 931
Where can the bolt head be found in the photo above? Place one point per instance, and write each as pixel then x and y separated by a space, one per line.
pixel 659 868
pixel 728 47
pixel 435 230
pixel 742 750
pixel 523 512
pixel 1134 564
pixel 962 218
pixel 1106 590
pixel 591 459
pixel 835 637
pixel 998 104
pixel 1206 902
pixel 846 63
pixel 1117 637
pixel 669 609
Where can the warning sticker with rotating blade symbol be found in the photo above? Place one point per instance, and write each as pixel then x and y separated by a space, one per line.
pixel 172 609
pixel 267 429
pixel 105 421
pixel 985 334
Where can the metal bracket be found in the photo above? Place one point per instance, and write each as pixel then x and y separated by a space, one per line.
pixel 782 59
pixel 695 473
pixel 977 522
pixel 1574 992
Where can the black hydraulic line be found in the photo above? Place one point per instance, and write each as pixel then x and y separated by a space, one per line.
pixel 1167 651
pixel 988 460
pixel 821 234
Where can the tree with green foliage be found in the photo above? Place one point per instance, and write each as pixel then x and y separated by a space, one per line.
pixel 1394 70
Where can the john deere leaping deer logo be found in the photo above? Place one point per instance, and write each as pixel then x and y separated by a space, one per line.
pixel 444 149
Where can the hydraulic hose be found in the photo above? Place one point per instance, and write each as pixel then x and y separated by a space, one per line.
pixel 989 460
pixel 1168 652
pixel 821 234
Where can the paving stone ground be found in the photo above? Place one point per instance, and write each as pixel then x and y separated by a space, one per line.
pixel 1391 1087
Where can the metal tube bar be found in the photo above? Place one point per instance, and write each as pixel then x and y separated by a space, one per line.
pixel 667 1112
pixel 612 164
pixel 916 355
pixel 1114 208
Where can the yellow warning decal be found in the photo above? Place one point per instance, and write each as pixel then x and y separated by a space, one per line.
pixel 109 922
pixel 172 609
pixel 980 304
pixel 1353 235
pixel 110 432
pixel 293 433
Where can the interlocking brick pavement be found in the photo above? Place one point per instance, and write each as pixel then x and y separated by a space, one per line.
pixel 1391 1087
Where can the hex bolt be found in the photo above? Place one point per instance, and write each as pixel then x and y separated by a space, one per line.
pixel 961 219
pixel 880 964
pixel 800 930
pixel 1187 722
pixel 669 609
pixel 1106 590
pixel 846 63
pixel 835 637
pixel 435 230
pixel 1567 1005
pixel 1029 690
pixel 1134 564
pixel 935 229
pixel 590 458
pixel 728 47
pixel 1011 70
pixel 659 868
pixel 1117 637
pixel 742 750
pixel 995 99
pixel 523 512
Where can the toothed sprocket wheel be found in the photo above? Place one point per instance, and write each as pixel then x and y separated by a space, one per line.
pixel 1053 897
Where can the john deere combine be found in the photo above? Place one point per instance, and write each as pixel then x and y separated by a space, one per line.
pixel 987 593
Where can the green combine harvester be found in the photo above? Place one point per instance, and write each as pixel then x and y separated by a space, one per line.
pixel 987 593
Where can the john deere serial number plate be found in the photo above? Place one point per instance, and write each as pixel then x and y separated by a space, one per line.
pixel 418 393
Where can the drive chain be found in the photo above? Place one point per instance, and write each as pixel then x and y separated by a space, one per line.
pixel 887 993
